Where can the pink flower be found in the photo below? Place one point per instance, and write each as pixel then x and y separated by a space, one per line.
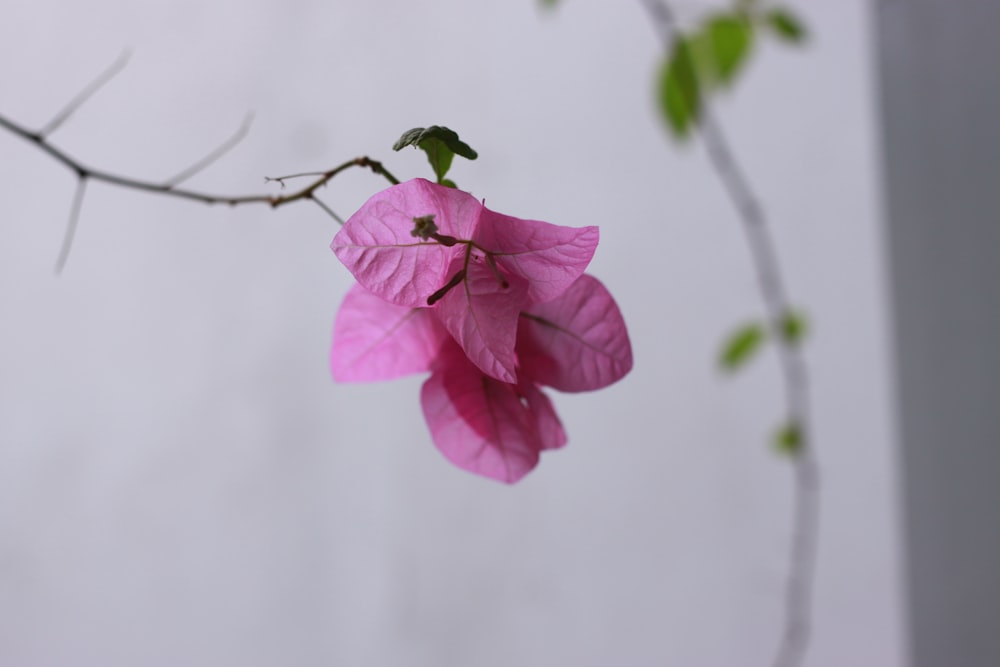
pixel 418 244
pixel 492 306
pixel 576 342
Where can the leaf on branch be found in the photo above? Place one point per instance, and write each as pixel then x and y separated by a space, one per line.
pixel 740 346
pixel 786 26
pixel 789 440
pixel 441 146
pixel 727 40
pixel 679 93
pixel 794 327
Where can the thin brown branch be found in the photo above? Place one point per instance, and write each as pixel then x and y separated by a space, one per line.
pixel 794 641
pixel 281 179
pixel 169 187
pixel 85 94
pixel 165 188
pixel 209 159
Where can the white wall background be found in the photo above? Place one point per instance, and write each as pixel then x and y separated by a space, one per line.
pixel 182 484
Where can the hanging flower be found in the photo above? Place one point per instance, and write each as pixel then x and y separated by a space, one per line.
pixel 492 306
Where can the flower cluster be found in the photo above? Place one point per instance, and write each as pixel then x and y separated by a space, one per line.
pixel 493 306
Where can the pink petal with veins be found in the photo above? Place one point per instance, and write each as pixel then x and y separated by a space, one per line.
pixel 549 257
pixel 375 340
pixel 376 246
pixel 479 424
pixel 482 315
pixel 577 342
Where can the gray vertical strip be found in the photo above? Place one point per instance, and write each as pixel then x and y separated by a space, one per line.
pixel 940 78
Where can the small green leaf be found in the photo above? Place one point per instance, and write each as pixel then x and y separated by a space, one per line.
pixel 679 94
pixel 728 39
pixel 409 138
pixel 794 327
pixel 741 345
pixel 441 146
pixel 450 138
pixel 447 182
pixel 786 25
pixel 789 440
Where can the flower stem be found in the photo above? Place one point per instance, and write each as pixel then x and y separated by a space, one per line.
pixel 794 641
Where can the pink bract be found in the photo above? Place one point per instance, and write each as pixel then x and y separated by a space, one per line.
pixel 481 315
pixel 376 245
pixel 550 430
pixel 548 256
pixel 493 306
pixel 375 340
pixel 492 428
pixel 482 425
pixel 577 342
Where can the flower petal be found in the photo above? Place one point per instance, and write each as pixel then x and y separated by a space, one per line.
pixel 376 246
pixel 375 340
pixel 550 430
pixel 577 342
pixel 482 315
pixel 479 424
pixel 549 257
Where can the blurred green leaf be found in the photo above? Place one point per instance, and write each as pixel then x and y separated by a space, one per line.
pixel 728 39
pixel 741 345
pixel 794 326
pixel 788 440
pixel 679 94
pixel 786 25
pixel 448 182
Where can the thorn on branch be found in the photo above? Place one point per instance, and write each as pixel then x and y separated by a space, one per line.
pixel 74 216
pixel 219 151
pixel 328 210
pixel 304 174
pixel 84 95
